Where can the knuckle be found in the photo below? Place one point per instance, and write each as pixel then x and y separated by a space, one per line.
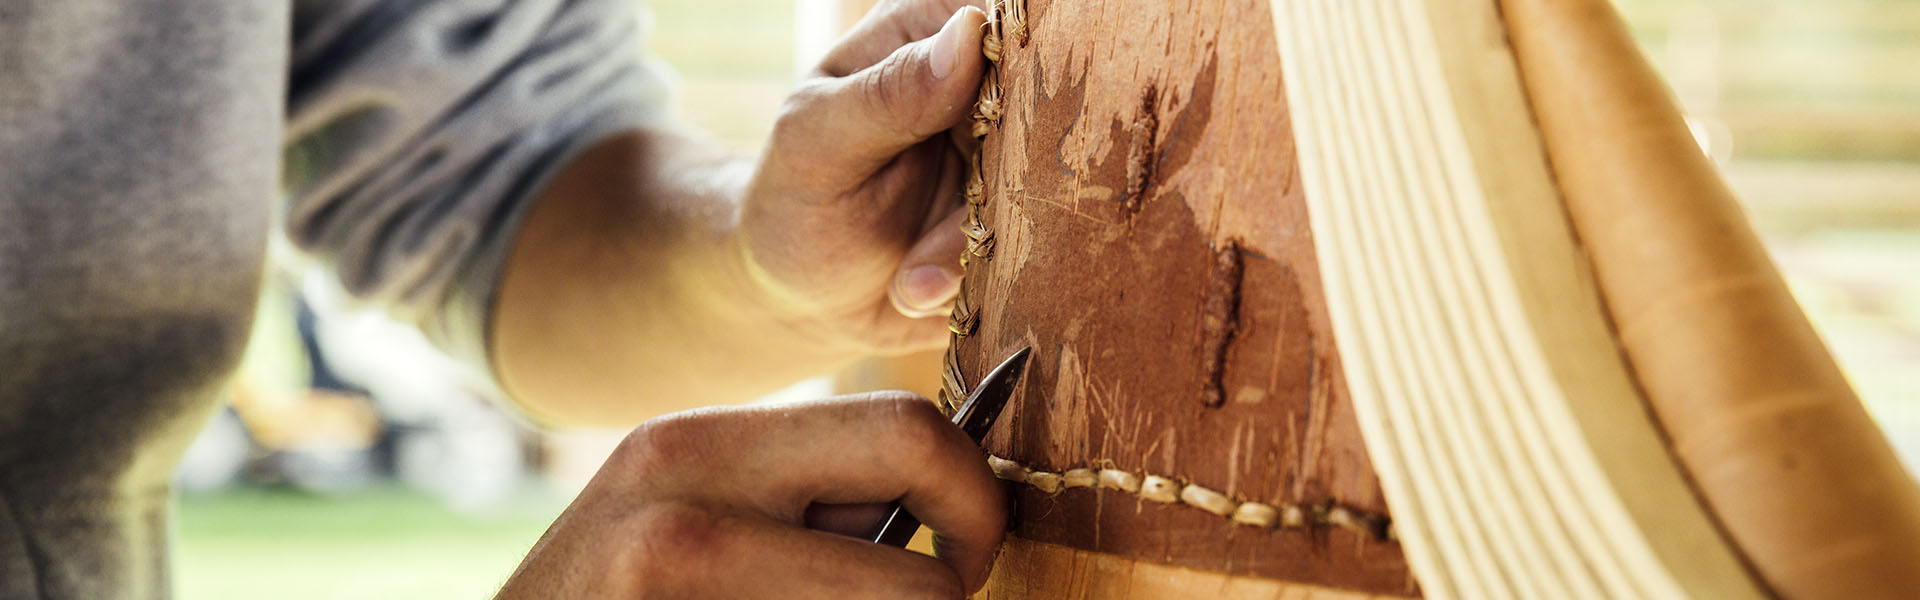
pixel 914 423
pixel 797 127
pixel 672 543
pixel 798 113
pixel 665 441
pixel 889 87
pixel 794 109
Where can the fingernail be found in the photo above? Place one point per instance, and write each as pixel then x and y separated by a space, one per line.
pixel 945 48
pixel 924 289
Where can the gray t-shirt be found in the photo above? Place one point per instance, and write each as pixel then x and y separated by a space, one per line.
pixel 140 167
pixel 418 130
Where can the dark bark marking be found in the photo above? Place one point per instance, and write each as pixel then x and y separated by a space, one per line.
pixel 1140 153
pixel 1220 318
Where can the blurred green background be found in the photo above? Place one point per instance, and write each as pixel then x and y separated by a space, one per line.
pixel 383 542
pixel 1812 108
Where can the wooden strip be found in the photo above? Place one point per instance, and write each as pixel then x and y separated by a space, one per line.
pixel 1509 438
pixel 1029 569
pixel 1758 411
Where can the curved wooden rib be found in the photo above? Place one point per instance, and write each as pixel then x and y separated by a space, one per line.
pixel 1515 453
pixel 1757 410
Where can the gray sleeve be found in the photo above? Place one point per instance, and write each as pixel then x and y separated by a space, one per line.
pixel 420 130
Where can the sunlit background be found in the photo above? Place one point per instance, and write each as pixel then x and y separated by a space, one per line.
pixel 376 472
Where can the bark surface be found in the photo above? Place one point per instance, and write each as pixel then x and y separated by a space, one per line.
pixel 1152 246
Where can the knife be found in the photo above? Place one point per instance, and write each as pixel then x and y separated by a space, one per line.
pixel 975 417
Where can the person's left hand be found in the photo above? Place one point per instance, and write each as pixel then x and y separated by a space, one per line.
pixel 657 272
pixel 854 211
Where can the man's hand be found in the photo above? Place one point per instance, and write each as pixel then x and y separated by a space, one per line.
pixel 655 273
pixel 855 207
pixel 755 503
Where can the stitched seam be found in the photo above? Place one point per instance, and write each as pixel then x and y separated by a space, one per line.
pixel 1004 18
pixel 1170 490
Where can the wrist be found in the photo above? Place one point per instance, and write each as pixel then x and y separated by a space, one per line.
pixel 626 296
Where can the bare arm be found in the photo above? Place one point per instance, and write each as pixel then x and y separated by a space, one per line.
pixel 657 273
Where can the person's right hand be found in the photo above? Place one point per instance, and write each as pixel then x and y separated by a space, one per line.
pixel 757 502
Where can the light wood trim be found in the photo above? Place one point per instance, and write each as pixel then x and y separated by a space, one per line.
pixel 1514 450
pixel 1041 571
pixel 1758 412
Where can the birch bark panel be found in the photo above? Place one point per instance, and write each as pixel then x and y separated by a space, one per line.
pixel 1152 247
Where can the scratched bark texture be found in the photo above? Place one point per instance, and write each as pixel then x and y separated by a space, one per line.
pixel 1152 247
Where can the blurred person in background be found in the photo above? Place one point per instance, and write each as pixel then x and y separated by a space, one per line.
pixel 502 174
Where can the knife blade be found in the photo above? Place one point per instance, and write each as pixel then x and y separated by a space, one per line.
pixel 975 417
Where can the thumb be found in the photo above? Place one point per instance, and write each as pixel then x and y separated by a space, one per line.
pixel 922 89
pixel 929 276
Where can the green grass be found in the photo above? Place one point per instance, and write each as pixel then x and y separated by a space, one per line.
pixel 383 543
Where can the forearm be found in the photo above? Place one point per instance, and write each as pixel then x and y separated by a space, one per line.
pixel 656 273
pixel 626 294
